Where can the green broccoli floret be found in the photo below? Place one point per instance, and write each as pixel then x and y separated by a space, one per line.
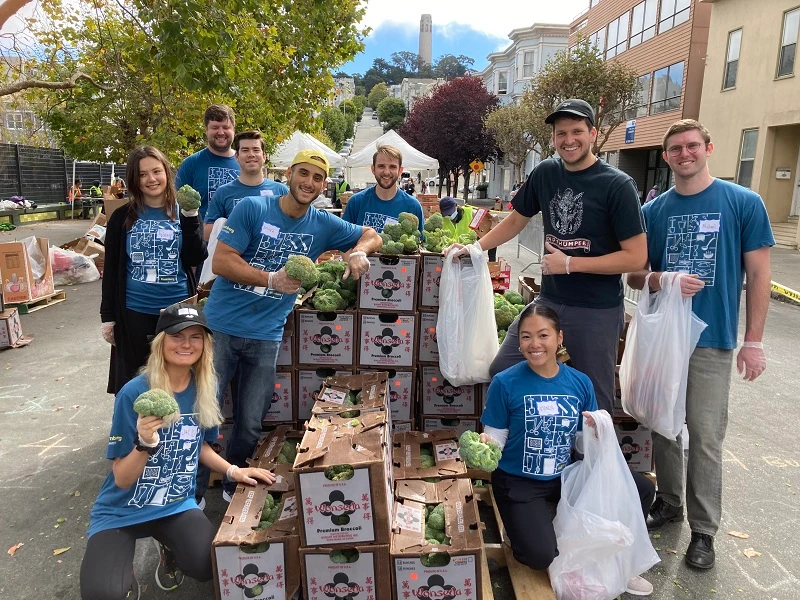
pixel 435 559
pixel 477 454
pixel 288 453
pixel 324 277
pixel 394 231
pixel 339 472
pixel 188 198
pixel 513 297
pixel 478 483
pixel 348 296
pixel 386 238
pixel 437 240
pixel 202 302
pixel 434 222
pixel 515 309
pixel 410 244
pixel 431 533
pixel 338 557
pixel 336 268
pixel 392 248
pixel 436 518
pixel 409 222
pixel 467 238
pixel 327 300
pixel 303 269
pixel 426 462
pixel 157 403
pixel 504 316
pixel 501 335
pixel 499 300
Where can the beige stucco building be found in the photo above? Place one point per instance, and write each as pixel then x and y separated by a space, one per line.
pixel 751 103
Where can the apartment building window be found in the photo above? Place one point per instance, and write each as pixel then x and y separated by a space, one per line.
pixel 673 13
pixel 791 24
pixel 617 36
pixel 643 101
pixel 528 63
pixel 732 59
pixel 598 40
pixel 502 83
pixel 15 120
pixel 643 23
pixel 747 157
pixel 667 86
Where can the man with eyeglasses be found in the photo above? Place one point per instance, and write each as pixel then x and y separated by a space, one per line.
pixel 714 231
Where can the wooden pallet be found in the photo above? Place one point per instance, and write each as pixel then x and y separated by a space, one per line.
pixel 34 305
pixel 527 583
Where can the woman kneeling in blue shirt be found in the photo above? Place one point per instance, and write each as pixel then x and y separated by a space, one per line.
pixel 534 411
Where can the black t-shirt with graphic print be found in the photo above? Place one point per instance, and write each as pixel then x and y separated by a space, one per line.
pixel 585 213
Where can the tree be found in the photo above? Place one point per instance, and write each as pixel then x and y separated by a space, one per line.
pixel 378 93
pixel 510 126
pixel 350 109
pixel 391 112
pixel 361 102
pixel 609 86
pixel 448 66
pixel 335 125
pixel 449 125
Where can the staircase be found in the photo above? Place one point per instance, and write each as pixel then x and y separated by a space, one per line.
pixel 786 233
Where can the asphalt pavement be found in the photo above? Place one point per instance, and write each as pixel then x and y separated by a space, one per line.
pixel 55 415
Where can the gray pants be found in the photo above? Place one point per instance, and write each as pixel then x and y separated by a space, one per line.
pixel 591 336
pixel 707 392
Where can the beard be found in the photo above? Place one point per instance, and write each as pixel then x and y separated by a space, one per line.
pixel 215 145
pixel 393 183
pixel 299 195
pixel 580 159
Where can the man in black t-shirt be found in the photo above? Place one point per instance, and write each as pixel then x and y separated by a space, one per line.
pixel 594 232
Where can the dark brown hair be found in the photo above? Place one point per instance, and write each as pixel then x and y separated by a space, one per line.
pixel 540 310
pixel 136 203
pixel 249 135
pixel 219 112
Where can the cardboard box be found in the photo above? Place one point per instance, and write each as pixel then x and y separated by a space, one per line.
pixel 374 389
pixel 269 447
pixel 483 221
pixel 309 382
pixel 245 560
pixel 407 452
pixel 402 393
pixel 283 404
pixel 220 446
pixel 88 247
pixel 110 204
pixel 326 338
pixel 462 576
pixel 431 423
pixel 500 272
pixel 636 443
pixel 430 276
pixel 348 511
pixel 438 397
pixel 286 351
pixel 10 328
pixel 428 346
pixel 387 339
pixel 97 230
pixel 368 578
pixel 19 284
pixel 350 425
pixel 528 288
pixel 402 426
pixel 390 284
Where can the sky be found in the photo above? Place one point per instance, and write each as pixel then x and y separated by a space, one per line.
pixel 467 27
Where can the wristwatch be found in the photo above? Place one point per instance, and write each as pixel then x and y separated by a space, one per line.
pixel 151 450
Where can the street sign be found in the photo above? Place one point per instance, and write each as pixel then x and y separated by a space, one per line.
pixel 630 131
pixel 476 165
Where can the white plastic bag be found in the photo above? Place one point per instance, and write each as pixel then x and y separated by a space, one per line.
pixel 207 275
pixel 661 338
pixel 600 530
pixel 466 332
pixel 37 260
pixel 70 268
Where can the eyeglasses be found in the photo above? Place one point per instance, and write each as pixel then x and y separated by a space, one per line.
pixel 690 148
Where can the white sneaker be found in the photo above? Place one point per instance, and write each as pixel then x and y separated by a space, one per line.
pixel 226 496
pixel 639 586
pixel 202 504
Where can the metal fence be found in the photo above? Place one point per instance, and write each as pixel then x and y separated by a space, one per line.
pixel 532 239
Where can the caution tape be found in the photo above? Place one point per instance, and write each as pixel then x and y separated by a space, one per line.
pixel 786 292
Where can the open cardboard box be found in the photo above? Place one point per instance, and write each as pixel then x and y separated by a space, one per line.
pixel 402 393
pixel 309 384
pixel 269 447
pixel 374 388
pixel 369 576
pixel 407 461
pixel 16 274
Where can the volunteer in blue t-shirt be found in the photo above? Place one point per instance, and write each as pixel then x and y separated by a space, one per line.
pixel 252 294
pixel 381 204
pixel 717 232
pixel 150 490
pixel 212 167
pixel 534 411
pixel 152 249
pixel 251 156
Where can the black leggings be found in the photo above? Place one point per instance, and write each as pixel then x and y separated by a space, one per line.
pixel 107 568
pixel 523 506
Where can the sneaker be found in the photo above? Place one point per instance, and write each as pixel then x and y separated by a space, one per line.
pixel 700 553
pixel 135 593
pixel 639 586
pixel 168 576
pixel 201 504
pixel 661 513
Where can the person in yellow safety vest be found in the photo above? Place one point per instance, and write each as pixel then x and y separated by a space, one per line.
pixel 456 219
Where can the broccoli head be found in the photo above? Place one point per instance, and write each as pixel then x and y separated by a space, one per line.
pixel 477 454
pixel 467 238
pixel 394 231
pixel 434 222
pixel 499 300
pixel 409 222
pixel 436 518
pixel 339 472
pixel 438 240
pixel 288 453
pixel 431 533
pixel 157 403
pixel 348 555
pixel 435 559
pixel 501 335
pixel 513 297
pixel 504 316
pixel 188 198
pixel 410 244
pixel 392 248
pixel 426 461
pixel 327 300
pixel 303 269
pixel 336 268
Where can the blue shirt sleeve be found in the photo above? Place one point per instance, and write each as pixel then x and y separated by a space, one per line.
pixel 211 435
pixel 123 435
pixel 756 230
pixel 215 208
pixel 239 229
pixel 495 412
pixel 343 235
pixel 185 172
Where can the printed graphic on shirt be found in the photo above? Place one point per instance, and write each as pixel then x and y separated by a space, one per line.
pixel 155 251
pixel 218 176
pixel 550 424
pixel 692 244
pixel 169 474
pixel 375 220
pixel 566 211
pixel 273 250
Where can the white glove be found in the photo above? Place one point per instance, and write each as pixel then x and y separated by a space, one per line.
pixel 460 249
pixel 107 331
pixel 190 213
pixel 357 265
pixel 751 360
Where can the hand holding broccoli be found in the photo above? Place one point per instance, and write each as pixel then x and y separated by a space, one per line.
pixel 147 428
pixel 477 453
pixel 157 403
pixel 188 198
pixel 281 282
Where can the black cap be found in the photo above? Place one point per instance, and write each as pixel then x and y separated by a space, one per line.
pixel 572 107
pixel 178 317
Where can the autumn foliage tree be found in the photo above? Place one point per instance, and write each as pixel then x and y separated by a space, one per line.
pixel 510 126
pixel 449 125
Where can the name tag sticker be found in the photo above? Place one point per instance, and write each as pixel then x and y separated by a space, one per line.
pixel 267 193
pixel 165 234
pixel 390 221
pixel 269 230
pixel 189 432
pixel 710 226
pixel 547 407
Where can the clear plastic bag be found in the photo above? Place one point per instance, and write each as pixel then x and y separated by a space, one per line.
pixel 661 338
pixel 466 331
pixel 600 530
pixel 38 262
pixel 208 275
pixel 70 267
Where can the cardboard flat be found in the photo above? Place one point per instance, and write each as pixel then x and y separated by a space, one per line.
pixel 326 338
pixel 406 461
pixel 309 383
pixel 282 408
pixel 367 578
pixel 266 453
pixel 10 328
pixel 636 442
pixel 390 284
pixel 350 425
pixel 111 204
pixel 387 339
pixel 402 393
pixel 16 276
pixel 438 397
pixel 428 346
pixel 374 388
pixel 430 277
pixel 459 425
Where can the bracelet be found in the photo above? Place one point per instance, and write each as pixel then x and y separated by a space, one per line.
pixel 270 277
pixel 566 264
pixel 231 470
pixel 759 345
pixel 146 445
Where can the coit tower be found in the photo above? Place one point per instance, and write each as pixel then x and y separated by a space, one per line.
pixel 425 38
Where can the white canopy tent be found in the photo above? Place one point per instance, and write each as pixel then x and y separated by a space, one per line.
pixel 412 158
pixel 288 149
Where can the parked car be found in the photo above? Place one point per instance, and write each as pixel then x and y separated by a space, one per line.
pixel 431 182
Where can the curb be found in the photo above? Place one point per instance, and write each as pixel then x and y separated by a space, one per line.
pixel 784 294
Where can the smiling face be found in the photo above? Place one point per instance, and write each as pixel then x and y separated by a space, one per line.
pixel 152 180
pixel 573 140
pixel 250 156
pixel 185 347
pixel 306 182
pixel 220 136
pixel 539 341
pixel 687 154
pixel 387 170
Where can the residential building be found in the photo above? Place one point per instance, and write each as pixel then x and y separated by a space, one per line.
pixel 344 88
pixel 665 42
pixel 19 123
pixel 751 104
pixel 507 76
pixel 412 89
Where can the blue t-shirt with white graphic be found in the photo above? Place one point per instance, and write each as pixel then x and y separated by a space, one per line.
pixel 206 172
pixel 155 275
pixel 542 416
pixel 707 234
pixel 166 486
pixel 365 208
pixel 229 195
pixel 265 237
